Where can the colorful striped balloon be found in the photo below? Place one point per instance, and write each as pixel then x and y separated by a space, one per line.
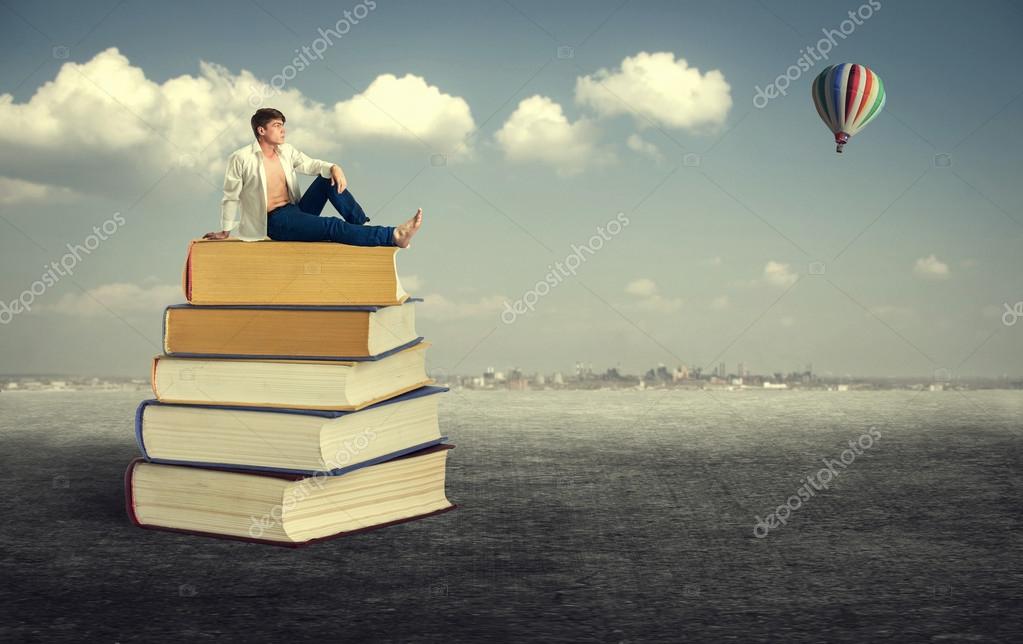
pixel 848 97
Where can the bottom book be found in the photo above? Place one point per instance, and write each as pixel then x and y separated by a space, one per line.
pixel 286 509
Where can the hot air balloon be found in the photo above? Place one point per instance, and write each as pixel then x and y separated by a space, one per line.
pixel 848 97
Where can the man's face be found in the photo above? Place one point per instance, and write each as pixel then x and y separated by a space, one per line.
pixel 273 132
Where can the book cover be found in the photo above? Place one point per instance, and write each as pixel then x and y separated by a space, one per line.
pixel 232 271
pixel 271 332
pixel 129 503
pixel 406 368
pixel 415 393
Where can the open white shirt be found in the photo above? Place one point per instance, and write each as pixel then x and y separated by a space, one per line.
pixel 244 204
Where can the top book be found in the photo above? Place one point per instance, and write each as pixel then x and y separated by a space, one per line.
pixel 232 271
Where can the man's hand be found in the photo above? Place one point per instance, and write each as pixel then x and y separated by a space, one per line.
pixel 337 178
pixel 223 234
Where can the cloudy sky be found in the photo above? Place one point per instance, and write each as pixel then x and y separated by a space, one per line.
pixel 523 130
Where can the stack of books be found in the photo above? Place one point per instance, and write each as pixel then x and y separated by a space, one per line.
pixel 292 399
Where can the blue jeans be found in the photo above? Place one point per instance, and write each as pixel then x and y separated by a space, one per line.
pixel 302 221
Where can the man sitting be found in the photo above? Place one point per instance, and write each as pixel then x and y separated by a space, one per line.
pixel 261 197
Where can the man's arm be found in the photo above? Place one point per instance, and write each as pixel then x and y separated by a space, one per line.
pixel 310 166
pixel 325 169
pixel 232 194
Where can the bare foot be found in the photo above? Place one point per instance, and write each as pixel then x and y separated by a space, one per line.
pixel 403 232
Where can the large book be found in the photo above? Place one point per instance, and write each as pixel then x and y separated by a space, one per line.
pixel 336 385
pixel 232 271
pixel 310 332
pixel 287 440
pixel 286 509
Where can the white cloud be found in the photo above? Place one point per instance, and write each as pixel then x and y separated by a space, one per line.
pixel 119 298
pixel 787 321
pixel 656 86
pixel 931 267
pixel 636 143
pixel 406 108
pixel 539 131
pixel 713 261
pixel 642 286
pixel 779 274
pixel 102 127
pixel 720 303
pixel 438 307
pixel 651 300
pixel 18 191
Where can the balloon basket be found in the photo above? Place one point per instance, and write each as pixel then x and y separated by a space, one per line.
pixel 841 138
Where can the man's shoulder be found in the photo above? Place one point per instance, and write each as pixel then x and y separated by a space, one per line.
pixel 243 151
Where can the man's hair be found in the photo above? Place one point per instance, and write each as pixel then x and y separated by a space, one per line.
pixel 263 116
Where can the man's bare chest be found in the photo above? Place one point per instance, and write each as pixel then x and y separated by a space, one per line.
pixel 274 169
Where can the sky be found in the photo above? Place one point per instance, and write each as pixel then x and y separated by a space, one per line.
pixel 732 231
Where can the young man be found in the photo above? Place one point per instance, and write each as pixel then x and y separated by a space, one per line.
pixel 261 197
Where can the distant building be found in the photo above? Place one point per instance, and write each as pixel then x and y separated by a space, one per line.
pixel 583 371
pixel 660 372
pixel 612 374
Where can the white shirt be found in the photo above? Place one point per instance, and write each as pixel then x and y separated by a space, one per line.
pixel 244 203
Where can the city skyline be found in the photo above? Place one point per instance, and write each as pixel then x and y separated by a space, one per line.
pixel 586 369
